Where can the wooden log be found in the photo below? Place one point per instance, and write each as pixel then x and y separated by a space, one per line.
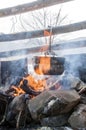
pixel 16 48
pixel 21 53
pixel 40 33
pixel 29 7
pixel 66 52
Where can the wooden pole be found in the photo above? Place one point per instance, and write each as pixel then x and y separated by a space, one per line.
pixel 29 7
pixel 40 33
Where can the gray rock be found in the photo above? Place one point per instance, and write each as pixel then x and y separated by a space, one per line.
pixel 52 103
pixel 45 128
pixel 78 117
pixel 54 128
pixel 17 105
pixel 59 120
pixel 69 81
pixel 74 82
pixel 40 128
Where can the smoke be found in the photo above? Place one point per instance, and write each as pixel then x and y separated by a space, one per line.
pixel 73 63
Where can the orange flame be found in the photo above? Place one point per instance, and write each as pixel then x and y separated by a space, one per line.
pixel 47 33
pixel 43 66
pixel 18 91
pixel 36 85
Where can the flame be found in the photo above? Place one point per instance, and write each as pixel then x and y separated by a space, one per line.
pixel 43 66
pixel 36 85
pixel 18 91
pixel 47 33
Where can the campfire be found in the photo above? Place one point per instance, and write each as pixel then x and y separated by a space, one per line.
pixel 32 86
pixel 29 85
pixel 44 100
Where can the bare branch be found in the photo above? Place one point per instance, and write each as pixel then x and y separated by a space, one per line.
pixel 20 18
pixel 37 19
pixel 56 21
pixel 61 20
pixel 13 24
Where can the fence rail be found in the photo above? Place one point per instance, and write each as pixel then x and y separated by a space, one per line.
pixel 40 33
pixel 29 7
pixel 62 47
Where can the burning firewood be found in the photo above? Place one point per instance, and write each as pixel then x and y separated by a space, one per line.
pixel 28 85
pixel 21 92
pixel 32 99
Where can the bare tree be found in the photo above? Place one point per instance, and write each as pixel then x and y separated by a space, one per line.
pixel 14 22
pixel 41 20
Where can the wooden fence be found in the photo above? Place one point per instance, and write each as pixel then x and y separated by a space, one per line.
pixel 4 38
